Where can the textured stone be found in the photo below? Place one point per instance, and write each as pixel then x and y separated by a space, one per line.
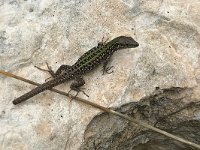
pixel 162 110
pixel 59 32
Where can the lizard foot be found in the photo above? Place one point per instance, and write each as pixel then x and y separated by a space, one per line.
pixel 50 71
pixel 107 70
pixel 77 92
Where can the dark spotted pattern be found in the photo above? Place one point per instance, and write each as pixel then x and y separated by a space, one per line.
pixel 87 62
pixel 97 55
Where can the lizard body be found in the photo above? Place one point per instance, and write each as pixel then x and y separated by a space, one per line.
pixel 88 61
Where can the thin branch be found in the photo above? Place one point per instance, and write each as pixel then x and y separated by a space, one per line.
pixel 108 110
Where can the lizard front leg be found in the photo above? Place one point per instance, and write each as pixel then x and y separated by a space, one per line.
pixel 103 42
pixel 105 68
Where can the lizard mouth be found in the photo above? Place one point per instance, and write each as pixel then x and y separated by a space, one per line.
pixel 134 44
pixel 131 45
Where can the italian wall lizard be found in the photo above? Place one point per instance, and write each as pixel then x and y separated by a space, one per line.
pixel 90 60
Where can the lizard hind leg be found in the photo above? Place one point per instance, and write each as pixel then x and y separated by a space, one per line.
pixel 49 70
pixel 61 69
pixel 75 86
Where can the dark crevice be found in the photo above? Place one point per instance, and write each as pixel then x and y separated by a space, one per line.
pixel 107 132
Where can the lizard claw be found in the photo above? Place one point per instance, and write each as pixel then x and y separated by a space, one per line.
pixel 107 70
pixel 77 92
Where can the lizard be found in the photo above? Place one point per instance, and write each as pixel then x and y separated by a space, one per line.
pixel 90 60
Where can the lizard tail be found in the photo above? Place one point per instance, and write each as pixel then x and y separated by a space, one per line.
pixel 39 89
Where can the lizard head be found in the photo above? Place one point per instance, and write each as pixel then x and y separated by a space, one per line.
pixel 125 42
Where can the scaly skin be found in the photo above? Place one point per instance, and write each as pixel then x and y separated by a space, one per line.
pixel 86 63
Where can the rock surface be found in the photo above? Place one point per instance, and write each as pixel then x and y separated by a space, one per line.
pixel 166 109
pixel 59 32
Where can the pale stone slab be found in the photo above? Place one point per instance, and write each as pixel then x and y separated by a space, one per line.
pixel 59 32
